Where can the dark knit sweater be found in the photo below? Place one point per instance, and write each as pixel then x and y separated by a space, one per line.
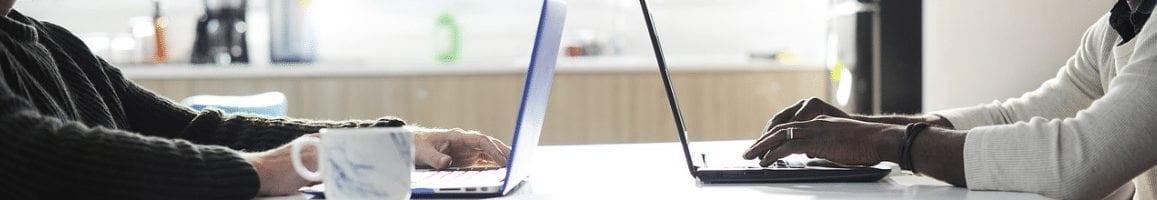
pixel 73 127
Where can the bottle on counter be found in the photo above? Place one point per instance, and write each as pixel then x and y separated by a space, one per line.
pixel 160 54
pixel 291 34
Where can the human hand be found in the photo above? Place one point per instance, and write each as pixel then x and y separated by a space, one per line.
pixel 839 140
pixel 442 148
pixel 805 109
pixel 275 168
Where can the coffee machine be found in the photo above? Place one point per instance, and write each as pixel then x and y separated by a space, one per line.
pixel 221 34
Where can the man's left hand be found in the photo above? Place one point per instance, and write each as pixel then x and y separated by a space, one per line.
pixel 836 139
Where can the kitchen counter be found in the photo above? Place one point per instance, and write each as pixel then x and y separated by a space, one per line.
pixel 624 96
pixel 353 69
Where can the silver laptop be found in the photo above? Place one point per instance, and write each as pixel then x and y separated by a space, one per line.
pixel 527 128
pixel 734 170
pixel 490 182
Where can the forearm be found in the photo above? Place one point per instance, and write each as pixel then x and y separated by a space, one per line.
pixel 931 119
pixel 939 153
pixel 113 164
pixel 275 168
pixel 153 115
pixel 255 133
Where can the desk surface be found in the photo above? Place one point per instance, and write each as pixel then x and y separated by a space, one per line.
pixel 658 171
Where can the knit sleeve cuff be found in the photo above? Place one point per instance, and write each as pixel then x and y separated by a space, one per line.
pixel 978 172
pixel 968 117
pixel 257 133
pixel 995 161
pixel 229 173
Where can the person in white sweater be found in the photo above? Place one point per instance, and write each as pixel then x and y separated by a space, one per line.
pixel 1083 134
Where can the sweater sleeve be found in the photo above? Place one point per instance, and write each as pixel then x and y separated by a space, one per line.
pixel 1082 157
pixel 49 158
pixel 1076 85
pixel 254 133
pixel 152 114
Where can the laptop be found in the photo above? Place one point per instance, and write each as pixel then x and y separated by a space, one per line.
pixel 493 182
pixel 735 170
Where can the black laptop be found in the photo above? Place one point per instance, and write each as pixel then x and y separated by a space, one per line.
pixel 784 170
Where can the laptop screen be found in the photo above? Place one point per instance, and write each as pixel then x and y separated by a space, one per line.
pixel 536 91
pixel 665 74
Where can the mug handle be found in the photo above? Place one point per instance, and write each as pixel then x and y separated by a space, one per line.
pixel 295 155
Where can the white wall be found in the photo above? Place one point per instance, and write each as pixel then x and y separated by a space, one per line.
pixel 110 17
pixel 401 32
pixel 977 51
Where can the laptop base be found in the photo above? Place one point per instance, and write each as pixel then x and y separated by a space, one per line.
pixel 462 195
pixel 792 175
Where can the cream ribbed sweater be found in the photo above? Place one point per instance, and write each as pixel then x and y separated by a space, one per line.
pixel 1082 134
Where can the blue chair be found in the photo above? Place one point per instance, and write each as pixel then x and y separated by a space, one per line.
pixel 271 104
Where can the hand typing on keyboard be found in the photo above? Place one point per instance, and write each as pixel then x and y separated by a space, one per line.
pixel 435 148
pixel 444 148
pixel 838 139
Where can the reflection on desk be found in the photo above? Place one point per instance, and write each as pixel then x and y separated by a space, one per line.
pixel 658 171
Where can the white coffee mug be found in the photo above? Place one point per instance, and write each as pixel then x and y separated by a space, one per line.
pixel 360 163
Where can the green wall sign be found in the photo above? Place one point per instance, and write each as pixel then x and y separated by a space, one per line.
pixel 451 52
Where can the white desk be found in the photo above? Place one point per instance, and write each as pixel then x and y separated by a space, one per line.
pixel 658 171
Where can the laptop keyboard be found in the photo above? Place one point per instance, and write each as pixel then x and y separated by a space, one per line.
pixel 456 176
pixel 778 164
pixel 735 163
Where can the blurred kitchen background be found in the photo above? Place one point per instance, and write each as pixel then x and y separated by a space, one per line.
pixel 459 63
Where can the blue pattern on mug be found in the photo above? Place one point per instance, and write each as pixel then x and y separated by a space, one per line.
pixel 346 178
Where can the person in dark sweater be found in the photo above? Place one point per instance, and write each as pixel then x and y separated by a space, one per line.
pixel 75 127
